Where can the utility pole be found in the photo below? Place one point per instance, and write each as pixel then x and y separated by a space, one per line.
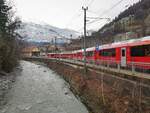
pixel 55 44
pixel 84 43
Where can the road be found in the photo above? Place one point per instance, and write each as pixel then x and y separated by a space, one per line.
pixel 40 90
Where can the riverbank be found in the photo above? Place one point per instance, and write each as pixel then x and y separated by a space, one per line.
pixel 103 93
pixel 6 82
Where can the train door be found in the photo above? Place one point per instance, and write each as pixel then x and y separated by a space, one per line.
pixel 123 57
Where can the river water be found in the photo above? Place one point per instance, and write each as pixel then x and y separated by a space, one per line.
pixel 39 90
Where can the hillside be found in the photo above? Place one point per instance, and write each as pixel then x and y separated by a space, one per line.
pixel 32 32
pixel 134 22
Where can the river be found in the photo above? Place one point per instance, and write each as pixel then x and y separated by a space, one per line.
pixel 40 90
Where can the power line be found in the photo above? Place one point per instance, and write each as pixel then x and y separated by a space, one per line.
pixel 77 15
pixel 92 12
pixel 105 12
pixel 84 3
pixel 98 19
pixel 90 3
pixel 74 17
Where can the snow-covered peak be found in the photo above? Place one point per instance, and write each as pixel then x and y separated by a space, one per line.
pixel 44 32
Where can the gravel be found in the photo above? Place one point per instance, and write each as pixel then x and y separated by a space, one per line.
pixel 6 82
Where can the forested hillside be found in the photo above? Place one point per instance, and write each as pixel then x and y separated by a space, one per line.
pixel 134 22
pixel 8 42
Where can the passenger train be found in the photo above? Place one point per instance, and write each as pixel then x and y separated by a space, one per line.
pixel 125 53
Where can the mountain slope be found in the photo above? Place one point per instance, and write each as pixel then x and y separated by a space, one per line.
pixel 45 33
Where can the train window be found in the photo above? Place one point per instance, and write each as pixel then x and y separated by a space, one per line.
pixel 100 52
pixel 89 53
pixel 140 51
pixel 123 52
pixel 108 52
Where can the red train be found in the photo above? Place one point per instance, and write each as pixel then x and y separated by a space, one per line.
pixel 126 53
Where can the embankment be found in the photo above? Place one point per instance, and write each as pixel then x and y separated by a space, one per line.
pixel 105 93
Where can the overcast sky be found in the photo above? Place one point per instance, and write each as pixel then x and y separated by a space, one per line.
pixel 68 13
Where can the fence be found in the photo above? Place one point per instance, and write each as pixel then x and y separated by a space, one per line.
pixel 131 66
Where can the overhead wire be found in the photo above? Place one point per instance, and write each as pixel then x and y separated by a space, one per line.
pixel 105 12
pixel 90 3
pixel 85 4
pixel 92 12
pixel 77 15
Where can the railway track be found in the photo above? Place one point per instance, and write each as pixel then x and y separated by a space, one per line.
pixel 114 71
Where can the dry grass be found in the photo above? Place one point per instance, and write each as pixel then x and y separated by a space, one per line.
pixel 101 93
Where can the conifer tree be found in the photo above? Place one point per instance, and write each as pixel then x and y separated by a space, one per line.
pixel 8 46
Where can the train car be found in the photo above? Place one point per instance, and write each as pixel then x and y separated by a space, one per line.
pixel 107 54
pixel 66 55
pixel 90 54
pixel 78 54
pixel 127 53
pixel 137 52
pixel 51 55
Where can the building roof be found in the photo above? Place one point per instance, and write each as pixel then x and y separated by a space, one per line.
pixel 31 49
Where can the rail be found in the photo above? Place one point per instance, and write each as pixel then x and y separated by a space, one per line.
pixel 137 69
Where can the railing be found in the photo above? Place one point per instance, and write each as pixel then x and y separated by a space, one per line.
pixel 139 67
pixel 132 67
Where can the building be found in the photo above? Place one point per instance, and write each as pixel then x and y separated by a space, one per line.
pixel 30 51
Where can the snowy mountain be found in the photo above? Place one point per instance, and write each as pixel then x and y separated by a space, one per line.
pixel 45 33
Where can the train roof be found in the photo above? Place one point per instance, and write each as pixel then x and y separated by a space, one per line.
pixel 87 49
pixel 91 49
pixel 132 42
pixel 66 52
pixel 77 51
pixel 51 53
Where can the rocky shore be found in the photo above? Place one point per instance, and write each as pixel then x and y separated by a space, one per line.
pixel 6 83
